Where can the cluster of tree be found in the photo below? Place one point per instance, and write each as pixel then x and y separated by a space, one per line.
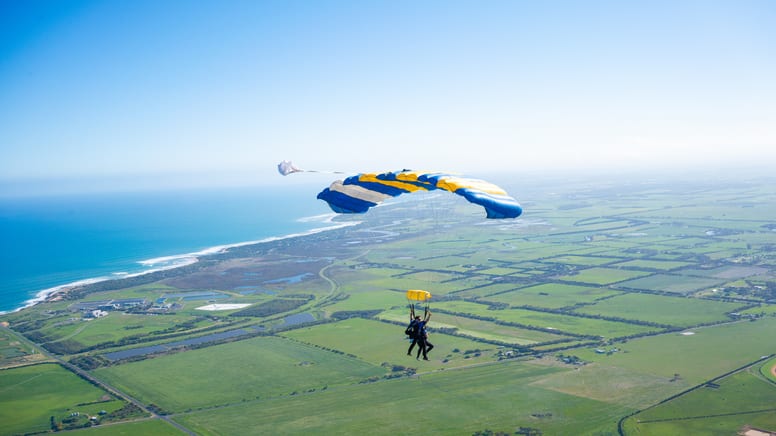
pixel 128 411
pixel 345 314
pixel 29 325
pixel 157 410
pixel 183 326
pixel 66 346
pixel 71 422
pixel 570 359
pixel 89 363
pixel 766 292
pixel 35 336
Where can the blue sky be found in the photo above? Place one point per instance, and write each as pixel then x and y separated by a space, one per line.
pixel 215 92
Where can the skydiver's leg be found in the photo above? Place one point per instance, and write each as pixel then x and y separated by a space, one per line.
pixel 429 347
pixel 421 348
pixel 412 345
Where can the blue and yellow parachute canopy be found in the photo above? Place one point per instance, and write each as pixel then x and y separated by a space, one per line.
pixel 357 194
pixel 418 295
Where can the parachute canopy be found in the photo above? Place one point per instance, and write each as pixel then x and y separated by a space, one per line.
pixel 356 194
pixel 418 295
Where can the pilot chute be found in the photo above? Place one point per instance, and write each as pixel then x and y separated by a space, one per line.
pixel 287 167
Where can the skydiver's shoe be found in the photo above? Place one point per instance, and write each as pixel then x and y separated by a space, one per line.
pixel 425 358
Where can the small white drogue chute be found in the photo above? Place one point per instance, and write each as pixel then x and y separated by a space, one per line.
pixel 287 167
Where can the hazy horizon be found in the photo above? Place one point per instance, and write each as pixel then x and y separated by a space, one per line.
pixel 117 95
pixel 163 182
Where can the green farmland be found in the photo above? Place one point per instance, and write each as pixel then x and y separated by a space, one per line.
pixel 608 308
pixel 234 372
pixel 673 311
pixel 37 398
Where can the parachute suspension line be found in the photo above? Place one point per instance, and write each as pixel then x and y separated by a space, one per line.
pixel 287 167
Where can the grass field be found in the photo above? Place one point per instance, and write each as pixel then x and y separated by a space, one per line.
pixel 14 350
pixel 583 260
pixel 386 343
pixel 767 370
pixel 679 284
pixel 155 427
pixel 368 301
pixel 740 400
pixel 497 397
pixel 551 295
pixel 662 265
pixel 675 311
pixel 115 327
pixel 30 395
pixel 602 276
pixel 604 382
pixel 550 321
pixel 229 373
pixel 710 351
pixel 479 329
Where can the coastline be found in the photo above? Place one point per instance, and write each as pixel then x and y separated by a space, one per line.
pixel 165 263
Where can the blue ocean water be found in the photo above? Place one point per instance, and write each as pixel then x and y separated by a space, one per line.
pixel 48 242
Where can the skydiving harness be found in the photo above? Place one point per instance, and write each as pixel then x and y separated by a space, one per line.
pixel 413 329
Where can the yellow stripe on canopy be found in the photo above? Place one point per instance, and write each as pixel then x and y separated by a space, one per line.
pixel 409 187
pixel 453 183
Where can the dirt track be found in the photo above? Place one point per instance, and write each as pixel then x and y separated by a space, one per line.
pixel 773 370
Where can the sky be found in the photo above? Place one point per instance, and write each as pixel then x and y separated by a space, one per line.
pixel 146 93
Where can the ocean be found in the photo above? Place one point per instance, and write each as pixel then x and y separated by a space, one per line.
pixel 55 241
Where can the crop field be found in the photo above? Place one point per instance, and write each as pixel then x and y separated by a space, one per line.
pixel 387 344
pixel 726 272
pixel 399 279
pixel 489 289
pixel 367 301
pixel 550 321
pixel 15 351
pixel 583 260
pixel 31 395
pixel 233 372
pixel 602 276
pixel 662 265
pixel 678 284
pixel 725 407
pixel 613 384
pixel 499 398
pixel 479 329
pixel 114 327
pixel 702 355
pixel 674 311
pixel 552 295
